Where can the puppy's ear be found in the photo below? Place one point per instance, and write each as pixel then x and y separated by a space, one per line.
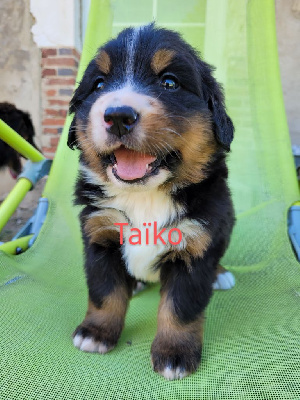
pixel 223 126
pixel 72 139
pixel 213 95
pixel 80 94
pixel 75 104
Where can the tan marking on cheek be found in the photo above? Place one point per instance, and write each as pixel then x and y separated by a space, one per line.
pixel 90 154
pixel 103 61
pixel 193 140
pixel 100 227
pixel 161 59
pixel 197 146
pixel 158 130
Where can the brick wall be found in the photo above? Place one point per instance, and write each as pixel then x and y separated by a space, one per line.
pixel 59 69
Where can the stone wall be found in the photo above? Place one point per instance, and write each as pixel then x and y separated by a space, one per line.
pixel 20 74
pixel 288 38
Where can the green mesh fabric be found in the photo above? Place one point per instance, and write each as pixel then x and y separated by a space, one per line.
pixel 252 332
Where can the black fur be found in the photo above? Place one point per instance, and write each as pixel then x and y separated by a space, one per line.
pixel 21 122
pixel 208 201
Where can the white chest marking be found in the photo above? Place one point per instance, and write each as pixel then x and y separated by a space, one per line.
pixel 145 207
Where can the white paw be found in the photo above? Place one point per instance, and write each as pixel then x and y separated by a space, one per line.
pixel 224 281
pixel 89 344
pixel 173 373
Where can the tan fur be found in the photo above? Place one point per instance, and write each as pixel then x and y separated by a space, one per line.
pixel 169 326
pixel 100 226
pixel 156 133
pixel 112 312
pixel 195 241
pixel 89 152
pixel 194 244
pixel 103 61
pixel 197 147
pixel 196 144
pixel 161 59
pixel 171 334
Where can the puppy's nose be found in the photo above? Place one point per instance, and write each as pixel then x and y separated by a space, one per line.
pixel 120 119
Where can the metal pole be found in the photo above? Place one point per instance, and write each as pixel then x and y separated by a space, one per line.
pixel 9 136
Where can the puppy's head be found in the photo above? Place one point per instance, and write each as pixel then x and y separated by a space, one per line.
pixel 21 122
pixel 148 111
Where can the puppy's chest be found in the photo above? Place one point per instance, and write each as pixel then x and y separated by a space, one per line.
pixel 147 214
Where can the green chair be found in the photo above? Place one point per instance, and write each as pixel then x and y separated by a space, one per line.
pixel 252 332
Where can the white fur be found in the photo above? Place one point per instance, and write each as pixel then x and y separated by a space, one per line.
pixel 125 95
pixel 173 373
pixel 224 281
pixel 139 205
pixel 144 207
pixel 89 344
pixel 131 53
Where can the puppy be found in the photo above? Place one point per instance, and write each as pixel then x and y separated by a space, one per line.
pixel 151 126
pixel 21 122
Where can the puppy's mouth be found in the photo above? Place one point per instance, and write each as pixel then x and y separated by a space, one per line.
pixel 132 166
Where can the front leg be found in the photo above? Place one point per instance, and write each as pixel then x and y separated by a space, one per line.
pixel 185 292
pixel 110 288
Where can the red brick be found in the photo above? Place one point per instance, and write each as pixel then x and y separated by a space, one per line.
pixel 54 141
pixel 58 102
pixel 48 72
pixel 59 61
pixel 54 121
pixel 56 113
pixel 61 81
pixel 48 52
pixel 51 92
pixel 65 51
pixel 49 152
pixel 50 130
pixel 76 54
pixel 49 149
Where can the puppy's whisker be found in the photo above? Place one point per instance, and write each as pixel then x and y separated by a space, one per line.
pixel 172 130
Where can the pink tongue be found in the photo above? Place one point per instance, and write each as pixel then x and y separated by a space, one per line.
pixel 131 164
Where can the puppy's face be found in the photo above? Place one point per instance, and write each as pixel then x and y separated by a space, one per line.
pixel 148 111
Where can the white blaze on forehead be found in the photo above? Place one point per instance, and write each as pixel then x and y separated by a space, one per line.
pixel 131 47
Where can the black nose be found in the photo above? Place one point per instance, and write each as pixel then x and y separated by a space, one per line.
pixel 120 119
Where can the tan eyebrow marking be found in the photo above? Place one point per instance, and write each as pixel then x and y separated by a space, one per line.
pixel 103 61
pixel 161 59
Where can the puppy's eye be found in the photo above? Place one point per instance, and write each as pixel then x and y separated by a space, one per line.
pixel 99 84
pixel 169 82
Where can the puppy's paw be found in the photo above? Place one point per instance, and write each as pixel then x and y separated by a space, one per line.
pixel 224 281
pixel 91 340
pixel 174 362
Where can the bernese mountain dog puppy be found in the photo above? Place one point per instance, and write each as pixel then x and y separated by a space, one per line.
pixel 21 122
pixel 152 129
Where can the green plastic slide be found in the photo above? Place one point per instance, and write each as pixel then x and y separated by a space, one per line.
pixel 252 332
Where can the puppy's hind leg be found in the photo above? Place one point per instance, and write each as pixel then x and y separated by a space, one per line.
pixel 224 279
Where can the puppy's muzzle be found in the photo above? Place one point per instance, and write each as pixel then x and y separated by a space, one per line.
pixel 120 120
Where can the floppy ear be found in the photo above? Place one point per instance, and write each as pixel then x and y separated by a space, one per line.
pixel 78 98
pixel 76 101
pixel 72 139
pixel 222 124
pixel 213 95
